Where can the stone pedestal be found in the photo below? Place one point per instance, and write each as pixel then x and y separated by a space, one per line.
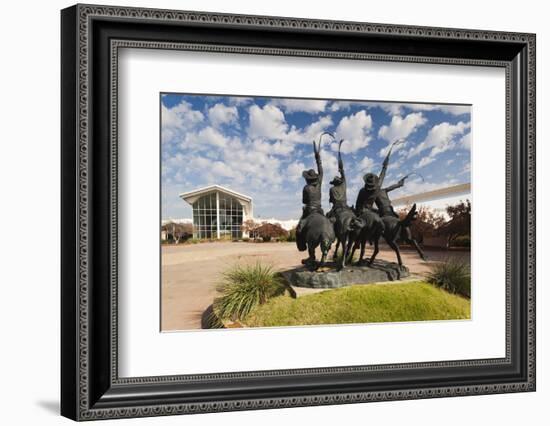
pixel 329 277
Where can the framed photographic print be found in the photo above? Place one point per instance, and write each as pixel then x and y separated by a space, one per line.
pixel 263 212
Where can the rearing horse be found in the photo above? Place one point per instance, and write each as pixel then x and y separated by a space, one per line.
pixel 392 230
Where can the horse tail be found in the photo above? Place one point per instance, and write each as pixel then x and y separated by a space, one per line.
pixel 301 242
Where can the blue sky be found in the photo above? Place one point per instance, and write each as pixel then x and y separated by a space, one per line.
pixel 259 146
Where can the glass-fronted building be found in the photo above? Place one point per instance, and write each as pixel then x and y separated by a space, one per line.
pixel 218 212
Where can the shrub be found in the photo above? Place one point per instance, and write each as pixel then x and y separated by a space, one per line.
pixel 177 232
pixel 193 241
pixel 291 235
pixel 451 275
pixel 245 287
pixel 462 241
pixel 268 231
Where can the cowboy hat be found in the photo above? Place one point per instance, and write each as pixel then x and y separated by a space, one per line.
pixel 310 174
pixel 336 181
pixel 371 181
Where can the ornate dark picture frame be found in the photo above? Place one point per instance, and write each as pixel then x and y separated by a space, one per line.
pixel 91 37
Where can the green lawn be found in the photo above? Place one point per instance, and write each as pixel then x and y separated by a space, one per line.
pixel 414 301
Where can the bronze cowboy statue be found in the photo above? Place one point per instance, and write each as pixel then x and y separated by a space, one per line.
pixel 314 228
pixel 373 193
pixel 394 228
pixel 347 226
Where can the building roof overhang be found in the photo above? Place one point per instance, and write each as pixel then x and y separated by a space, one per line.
pixel 191 196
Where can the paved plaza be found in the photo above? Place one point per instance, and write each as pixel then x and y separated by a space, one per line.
pixel 190 272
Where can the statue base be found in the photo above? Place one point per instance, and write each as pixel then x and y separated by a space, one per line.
pixel 329 277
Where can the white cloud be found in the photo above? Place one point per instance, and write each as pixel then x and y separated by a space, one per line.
pixel 402 127
pixel 354 129
pixel 440 138
pixel 294 170
pixel 180 115
pixel 365 164
pixel 466 169
pixel 267 122
pixel 330 169
pixel 312 131
pixel 398 109
pixel 219 168
pixel 340 105
pixel 392 108
pixel 424 162
pixel 209 136
pixel 277 148
pixel 239 100
pixel 178 119
pixel 466 141
pixel 259 168
pixel 311 106
pixel 221 114
pixel 449 109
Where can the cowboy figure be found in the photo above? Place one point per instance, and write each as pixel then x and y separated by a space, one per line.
pixel 311 194
pixel 337 192
pixel 373 193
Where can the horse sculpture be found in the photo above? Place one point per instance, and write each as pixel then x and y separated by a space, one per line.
pixel 347 228
pixel 316 231
pixel 373 228
pixel 352 228
pixel 392 229
pixel 399 229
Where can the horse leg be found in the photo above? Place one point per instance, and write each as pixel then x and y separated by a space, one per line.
pixel 311 255
pixel 355 246
pixel 335 254
pixel 325 247
pixel 417 247
pixel 311 263
pixel 363 246
pixel 349 250
pixel 395 248
pixel 407 236
pixel 342 262
pixel 375 252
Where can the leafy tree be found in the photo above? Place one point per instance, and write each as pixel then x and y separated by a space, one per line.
pixel 291 235
pixel 459 223
pixel 427 222
pixel 178 231
pixel 267 231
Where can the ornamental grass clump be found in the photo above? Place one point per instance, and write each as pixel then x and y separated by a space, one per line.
pixel 451 275
pixel 245 287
